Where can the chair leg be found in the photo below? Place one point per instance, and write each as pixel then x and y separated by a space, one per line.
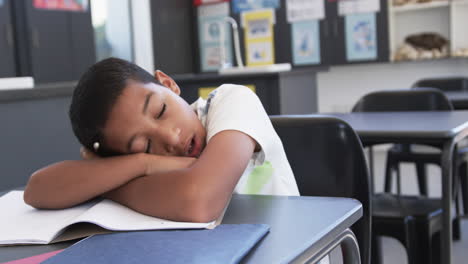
pixel 422 240
pixel 456 231
pixel 376 250
pixel 435 249
pixel 422 178
pixel 388 174
pixel 463 172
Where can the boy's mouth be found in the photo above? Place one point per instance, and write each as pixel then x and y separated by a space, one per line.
pixel 194 147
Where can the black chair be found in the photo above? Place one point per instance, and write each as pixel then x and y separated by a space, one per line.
pixel 453 84
pixel 414 221
pixel 448 84
pixel 424 99
pixel 421 99
pixel 327 159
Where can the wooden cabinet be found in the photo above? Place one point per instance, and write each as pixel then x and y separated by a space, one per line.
pixel 7 45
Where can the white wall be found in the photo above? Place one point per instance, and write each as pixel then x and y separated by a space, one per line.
pixel 342 86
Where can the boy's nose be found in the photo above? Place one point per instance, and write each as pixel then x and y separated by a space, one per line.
pixel 172 140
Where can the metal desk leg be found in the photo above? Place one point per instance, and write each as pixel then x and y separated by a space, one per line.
pixel 446 234
pixel 349 247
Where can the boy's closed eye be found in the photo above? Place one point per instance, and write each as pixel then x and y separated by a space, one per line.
pixel 159 116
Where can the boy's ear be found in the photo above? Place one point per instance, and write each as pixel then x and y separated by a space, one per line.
pixel 167 81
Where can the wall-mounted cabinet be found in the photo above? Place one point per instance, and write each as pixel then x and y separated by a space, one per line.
pixel 357 37
pixel 7 45
pixel 173 42
pixel 55 45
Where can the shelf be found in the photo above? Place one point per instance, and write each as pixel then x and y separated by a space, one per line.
pixel 256 69
pixel 416 7
pixel 460 2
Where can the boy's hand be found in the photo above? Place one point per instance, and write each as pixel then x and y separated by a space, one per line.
pixel 158 164
pixel 86 154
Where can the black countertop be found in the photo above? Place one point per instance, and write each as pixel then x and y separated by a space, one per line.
pixel 65 89
pixel 38 92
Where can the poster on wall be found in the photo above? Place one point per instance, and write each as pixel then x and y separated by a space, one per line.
pixel 361 37
pixel 258 36
pixel 347 7
pixel 239 6
pixel 203 2
pixel 306 42
pixel 300 10
pixel 62 5
pixel 214 36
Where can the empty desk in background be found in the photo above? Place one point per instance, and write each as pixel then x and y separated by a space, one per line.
pixel 301 229
pixel 444 129
pixel 459 99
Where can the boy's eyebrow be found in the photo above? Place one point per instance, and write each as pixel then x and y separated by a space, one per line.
pixel 145 107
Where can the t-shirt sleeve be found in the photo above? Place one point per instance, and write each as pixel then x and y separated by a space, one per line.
pixel 236 107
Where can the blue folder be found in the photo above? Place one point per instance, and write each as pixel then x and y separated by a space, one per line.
pixel 224 244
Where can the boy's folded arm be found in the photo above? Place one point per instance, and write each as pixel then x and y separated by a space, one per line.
pixel 68 183
pixel 198 193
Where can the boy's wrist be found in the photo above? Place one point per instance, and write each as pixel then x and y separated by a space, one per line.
pixel 144 161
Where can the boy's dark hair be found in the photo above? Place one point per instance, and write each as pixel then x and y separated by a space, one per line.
pixel 95 95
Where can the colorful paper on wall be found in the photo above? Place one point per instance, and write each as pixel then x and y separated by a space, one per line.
pixel 301 10
pixel 361 37
pixel 347 7
pixel 258 35
pixel 239 6
pixel 62 5
pixel 306 42
pixel 202 2
pixel 203 92
pixel 212 27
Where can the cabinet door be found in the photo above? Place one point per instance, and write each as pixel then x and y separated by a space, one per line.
pixel 82 42
pixel 7 51
pixel 331 42
pixel 342 30
pixel 173 27
pixel 50 42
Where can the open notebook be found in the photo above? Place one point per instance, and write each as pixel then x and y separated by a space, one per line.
pixel 22 224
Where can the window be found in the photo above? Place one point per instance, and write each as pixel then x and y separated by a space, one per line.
pixel 112 29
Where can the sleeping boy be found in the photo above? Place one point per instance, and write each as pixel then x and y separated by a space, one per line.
pixel 148 149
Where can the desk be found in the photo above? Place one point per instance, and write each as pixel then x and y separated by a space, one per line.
pixel 301 228
pixel 459 99
pixel 444 129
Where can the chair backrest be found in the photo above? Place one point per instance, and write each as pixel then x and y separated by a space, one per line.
pixel 445 84
pixel 421 99
pixel 327 159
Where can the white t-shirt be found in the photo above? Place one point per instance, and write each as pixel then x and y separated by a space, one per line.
pixel 236 107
